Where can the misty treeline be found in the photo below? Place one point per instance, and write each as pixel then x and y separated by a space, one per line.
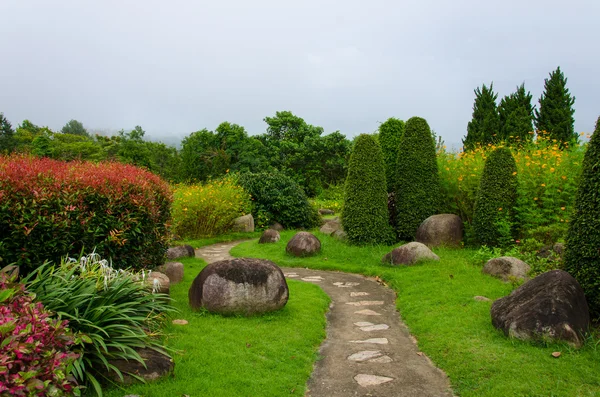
pixel 290 145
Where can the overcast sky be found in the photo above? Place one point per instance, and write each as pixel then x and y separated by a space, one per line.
pixel 174 67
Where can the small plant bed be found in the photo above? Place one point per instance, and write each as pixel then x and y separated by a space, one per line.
pixel 436 302
pixel 269 355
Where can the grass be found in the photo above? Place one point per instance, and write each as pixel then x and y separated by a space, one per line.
pixel 269 355
pixel 224 238
pixel 436 301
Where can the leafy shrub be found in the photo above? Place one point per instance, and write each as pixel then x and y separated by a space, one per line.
pixel 582 256
pixel 390 134
pixel 208 210
pixel 111 311
pixel 494 218
pixel 35 358
pixel 50 208
pixel 365 213
pixel 278 198
pixel 417 185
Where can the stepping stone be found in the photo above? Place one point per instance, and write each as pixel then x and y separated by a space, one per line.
pixel 365 355
pixel 368 312
pixel 354 294
pixel 363 324
pixel 179 322
pixel 378 327
pixel 376 341
pixel 371 380
pixel 345 285
pixel 312 278
pixel 381 360
pixel 291 275
pixel 365 303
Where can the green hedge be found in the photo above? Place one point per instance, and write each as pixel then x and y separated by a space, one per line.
pixel 365 213
pixel 277 198
pixel 494 217
pixel 390 134
pixel 582 256
pixel 51 208
pixel 417 181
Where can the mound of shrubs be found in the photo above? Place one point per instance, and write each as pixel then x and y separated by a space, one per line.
pixel 277 198
pixel 494 217
pixel 417 186
pixel 35 355
pixel 582 256
pixel 365 212
pixel 208 210
pixel 50 208
pixel 390 134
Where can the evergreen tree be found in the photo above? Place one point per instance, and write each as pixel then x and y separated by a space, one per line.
pixel 417 178
pixel 365 213
pixel 74 127
pixel 516 117
pixel 485 125
pixel 582 256
pixel 6 135
pixel 390 133
pixel 555 114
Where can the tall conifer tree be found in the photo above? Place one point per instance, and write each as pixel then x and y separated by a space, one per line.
pixel 555 114
pixel 485 125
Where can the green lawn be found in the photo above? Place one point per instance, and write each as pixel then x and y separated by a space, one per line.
pixel 436 301
pixel 270 355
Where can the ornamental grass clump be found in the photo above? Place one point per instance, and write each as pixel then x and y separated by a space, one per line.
pixel 35 348
pixel 111 312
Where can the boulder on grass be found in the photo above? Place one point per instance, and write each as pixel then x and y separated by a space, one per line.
pixel 441 230
pixel 277 226
pixel 331 226
pixel 409 254
pixel 158 365
pixel 158 282
pixel 551 306
pixel 269 236
pixel 243 224
pixel 180 251
pixel 506 267
pixel 303 244
pixel 173 270
pixel 239 286
pixel 325 211
pixel 340 234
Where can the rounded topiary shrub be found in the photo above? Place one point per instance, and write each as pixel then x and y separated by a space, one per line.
pixel 365 213
pixel 277 198
pixel 390 134
pixel 51 208
pixel 493 219
pixel 417 185
pixel 582 255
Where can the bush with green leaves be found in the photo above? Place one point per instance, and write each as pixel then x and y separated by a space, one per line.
pixel 417 181
pixel 277 198
pixel 112 312
pixel 51 208
pixel 390 134
pixel 494 217
pixel 582 256
pixel 365 212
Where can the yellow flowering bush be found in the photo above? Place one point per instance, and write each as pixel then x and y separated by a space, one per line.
pixel 207 210
pixel 547 177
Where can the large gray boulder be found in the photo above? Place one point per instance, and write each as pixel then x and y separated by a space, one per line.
pixel 551 306
pixel 243 224
pixel 340 234
pixel 409 254
pixel 239 286
pixel 173 270
pixel 180 251
pixel 303 244
pixel 269 236
pixel 506 267
pixel 441 230
pixel 158 365
pixel 331 226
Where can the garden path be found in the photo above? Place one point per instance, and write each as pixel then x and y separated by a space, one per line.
pixel 368 350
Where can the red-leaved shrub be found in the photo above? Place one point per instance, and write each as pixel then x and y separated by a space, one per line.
pixel 34 353
pixel 51 208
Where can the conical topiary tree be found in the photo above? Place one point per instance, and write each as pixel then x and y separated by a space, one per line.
pixel 582 256
pixel 493 220
pixel 485 124
pixel 390 133
pixel 417 185
pixel 365 213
